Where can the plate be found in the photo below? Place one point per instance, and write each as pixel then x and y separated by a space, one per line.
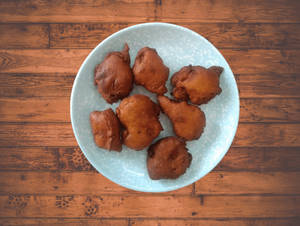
pixel 178 47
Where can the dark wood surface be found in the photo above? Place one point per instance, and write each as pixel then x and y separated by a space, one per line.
pixel 44 177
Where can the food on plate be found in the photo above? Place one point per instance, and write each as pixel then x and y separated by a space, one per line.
pixel 188 120
pixel 113 76
pixel 106 129
pixel 168 158
pixel 196 83
pixel 139 117
pixel 150 71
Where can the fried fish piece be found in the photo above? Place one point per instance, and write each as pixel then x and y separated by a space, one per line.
pixel 139 116
pixel 168 158
pixel 149 71
pixel 188 120
pixel 113 76
pixel 106 129
pixel 196 83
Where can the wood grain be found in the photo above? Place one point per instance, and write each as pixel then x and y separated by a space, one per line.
pixel 229 11
pixel 221 222
pixel 36 85
pixel 138 206
pixel 255 159
pixel 37 134
pixel 269 110
pixel 262 61
pixel 43 158
pixel 66 183
pixel 53 109
pixel 24 36
pixel 268 85
pixel 278 11
pixel 61 134
pixel 60 85
pixel 93 183
pixel 249 183
pixel 65 222
pixel 35 109
pixel 222 35
pixel 41 60
pixel 267 135
pixel 69 61
pixel 261 159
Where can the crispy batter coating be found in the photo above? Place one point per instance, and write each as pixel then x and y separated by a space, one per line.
pixel 168 159
pixel 196 83
pixel 106 129
pixel 113 76
pixel 149 71
pixel 188 120
pixel 139 115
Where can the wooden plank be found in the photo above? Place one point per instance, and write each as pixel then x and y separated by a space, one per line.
pixel 279 11
pixel 269 110
pixel 37 134
pixel 93 183
pixel 69 61
pixel 138 206
pixel 61 134
pixel 229 11
pixel 148 222
pixel 82 35
pixel 53 109
pixel 50 109
pixel 71 159
pixel 42 60
pixel 221 222
pixel 249 183
pixel 63 221
pixel 260 159
pixel 267 135
pixel 222 35
pixel 66 183
pixel 24 36
pixel 41 158
pixel 262 85
pixel 58 11
pixel 60 85
pixel 262 61
pixel 36 85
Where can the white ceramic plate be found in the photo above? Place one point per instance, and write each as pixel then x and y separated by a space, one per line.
pixel 178 47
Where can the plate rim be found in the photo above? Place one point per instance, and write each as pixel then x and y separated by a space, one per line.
pixel 187 182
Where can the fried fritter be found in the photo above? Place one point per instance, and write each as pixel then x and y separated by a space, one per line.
pixel 196 83
pixel 113 76
pixel 139 116
pixel 188 120
pixel 149 71
pixel 168 159
pixel 106 129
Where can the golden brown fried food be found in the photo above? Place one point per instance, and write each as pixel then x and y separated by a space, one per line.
pixel 139 115
pixel 196 83
pixel 188 120
pixel 106 129
pixel 168 159
pixel 113 76
pixel 150 71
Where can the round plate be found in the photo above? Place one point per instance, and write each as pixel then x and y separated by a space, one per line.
pixel 178 47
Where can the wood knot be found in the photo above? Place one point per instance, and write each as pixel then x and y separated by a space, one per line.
pixel 90 207
pixel 79 161
pixel 18 201
pixel 63 201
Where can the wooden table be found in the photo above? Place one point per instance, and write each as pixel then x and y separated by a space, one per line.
pixel 44 178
